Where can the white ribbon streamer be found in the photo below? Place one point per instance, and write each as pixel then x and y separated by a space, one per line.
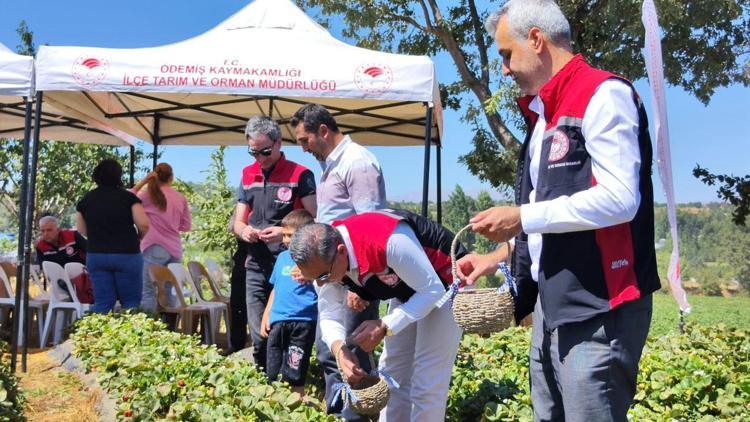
pixel 655 70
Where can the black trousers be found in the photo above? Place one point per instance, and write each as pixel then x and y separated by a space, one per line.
pixel 237 298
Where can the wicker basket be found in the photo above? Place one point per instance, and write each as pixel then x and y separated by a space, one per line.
pixel 481 311
pixel 372 393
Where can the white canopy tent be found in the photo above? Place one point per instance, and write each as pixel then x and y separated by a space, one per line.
pixel 55 122
pixel 268 58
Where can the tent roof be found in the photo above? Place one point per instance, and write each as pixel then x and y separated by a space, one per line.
pixel 268 58
pixel 59 123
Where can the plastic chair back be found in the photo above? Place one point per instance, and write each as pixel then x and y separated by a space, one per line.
pixel 6 290
pixel 183 278
pixel 54 272
pixel 74 269
pixel 215 272
pixel 162 277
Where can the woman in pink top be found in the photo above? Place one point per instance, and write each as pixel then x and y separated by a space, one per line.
pixel 169 214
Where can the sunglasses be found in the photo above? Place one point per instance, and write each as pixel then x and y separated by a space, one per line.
pixel 266 152
pixel 326 276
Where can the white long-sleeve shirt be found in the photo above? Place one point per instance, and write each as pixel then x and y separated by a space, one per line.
pixel 610 127
pixel 405 256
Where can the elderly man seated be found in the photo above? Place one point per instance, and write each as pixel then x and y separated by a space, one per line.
pixel 59 245
pixel 394 255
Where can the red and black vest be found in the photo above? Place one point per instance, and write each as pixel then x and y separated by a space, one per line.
pixel 271 199
pixel 586 273
pixel 71 247
pixel 369 233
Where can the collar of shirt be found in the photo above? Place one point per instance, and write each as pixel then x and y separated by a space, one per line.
pixel 353 271
pixel 337 152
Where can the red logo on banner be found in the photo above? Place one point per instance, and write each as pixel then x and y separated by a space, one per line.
pixel 89 71
pixel 560 146
pixel 373 78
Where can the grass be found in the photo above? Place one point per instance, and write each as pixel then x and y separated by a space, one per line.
pixel 706 310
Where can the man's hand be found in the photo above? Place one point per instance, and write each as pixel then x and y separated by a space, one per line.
pixel 265 327
pixel 249 234
pixel 369 334
pixel 473 266
pixel 349 365
pixel 271 234
pixel 498 223
pixel 355 302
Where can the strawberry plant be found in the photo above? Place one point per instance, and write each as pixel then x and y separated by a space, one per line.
pixel 162 375
pixel 11 398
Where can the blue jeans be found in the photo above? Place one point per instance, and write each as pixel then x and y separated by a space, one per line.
pixel 115 276
pixel 154 254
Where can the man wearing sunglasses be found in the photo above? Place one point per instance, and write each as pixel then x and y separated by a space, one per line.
pixel 388 255
pixel 351 183
pixel 271 188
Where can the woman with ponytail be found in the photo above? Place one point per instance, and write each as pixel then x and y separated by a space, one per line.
pixel 169 214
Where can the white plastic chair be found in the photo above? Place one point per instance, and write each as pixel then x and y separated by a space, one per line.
pixel 8 299
pixel 59 300
pixel 216 273
pixel 216 309
pixel 36 278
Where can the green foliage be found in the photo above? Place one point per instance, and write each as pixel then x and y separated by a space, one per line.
pixel 704 47
pixel 458 210
pixel 64 175
pixel 11 398
pixel 706 311
pixel 735 190
pixel 212 203
pixel 702 375
pixel 160 375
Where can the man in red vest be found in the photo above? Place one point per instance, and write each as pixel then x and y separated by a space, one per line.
pixel 397 256
pixel 270 188
pixel 583 224
pixel 59 245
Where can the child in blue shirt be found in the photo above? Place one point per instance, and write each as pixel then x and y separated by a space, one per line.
pixel 291 314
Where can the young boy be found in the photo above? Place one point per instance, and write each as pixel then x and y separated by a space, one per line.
pixel 291 314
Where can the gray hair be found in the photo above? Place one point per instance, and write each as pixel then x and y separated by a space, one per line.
pixel 314 240
pixel 526 14
pixel 49 219
pixel 262 125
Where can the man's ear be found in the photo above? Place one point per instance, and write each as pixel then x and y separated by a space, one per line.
pixel 536 39
pixel 324 131
pixel 341 249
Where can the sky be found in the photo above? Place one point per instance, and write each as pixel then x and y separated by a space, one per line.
pixel 717 136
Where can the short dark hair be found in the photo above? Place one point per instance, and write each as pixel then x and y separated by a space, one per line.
pixel 297 218
pixel 108 173
pixel 312 116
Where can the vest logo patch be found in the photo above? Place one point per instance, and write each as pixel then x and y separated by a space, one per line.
pixel 69 250
pixel 560 146
pixel 619 263
pixel 389 279
pixel 284 194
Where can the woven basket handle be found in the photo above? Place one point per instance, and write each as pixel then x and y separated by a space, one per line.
pixel 454 245
pixel 370 356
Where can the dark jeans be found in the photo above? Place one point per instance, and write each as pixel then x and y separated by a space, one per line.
pixel 289 347
pixel 328 362
pixel 237 299
pixel 257 290
pixel 587 371
pixel 116 276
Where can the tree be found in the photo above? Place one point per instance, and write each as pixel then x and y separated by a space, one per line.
pixel 64 174
pixel 705 47
pixel 483 244
pixel 458 210
pixel 211 204
pixel 735 190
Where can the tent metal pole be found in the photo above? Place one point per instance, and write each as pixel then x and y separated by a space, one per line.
pixel 270 108
pixel 132 166
pixel 21 234
pixel 30 200
pixel 439 183
pixel 157 138
pixel 426 179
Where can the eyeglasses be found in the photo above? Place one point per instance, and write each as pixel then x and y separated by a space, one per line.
pixel 326 276
pixel 266 152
